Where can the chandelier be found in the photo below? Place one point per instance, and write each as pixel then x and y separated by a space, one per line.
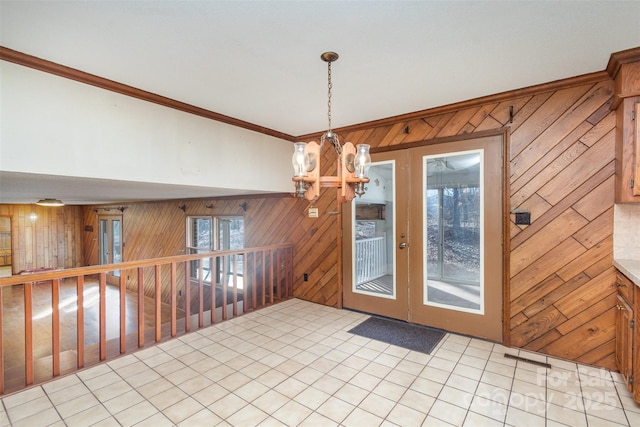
pixel 353 162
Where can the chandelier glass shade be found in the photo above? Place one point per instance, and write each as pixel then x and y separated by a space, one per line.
pixel 353 162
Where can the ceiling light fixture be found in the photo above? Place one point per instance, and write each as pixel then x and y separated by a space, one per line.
pixel 50 203
pixel 353 162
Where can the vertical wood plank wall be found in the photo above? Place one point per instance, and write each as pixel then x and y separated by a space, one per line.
pixel 561 280
pixel 158 229
pixel 53 240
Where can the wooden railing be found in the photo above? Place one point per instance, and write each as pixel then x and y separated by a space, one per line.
pixel 120 307
pixel 371 259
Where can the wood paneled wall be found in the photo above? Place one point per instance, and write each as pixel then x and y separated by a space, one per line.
pixel 561 283
pixel 53 240
pixel 158 229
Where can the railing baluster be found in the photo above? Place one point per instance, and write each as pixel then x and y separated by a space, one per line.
pixel 290 262
pixel 187 296
pixel 123 313
pixel 140 307
pixel 254 281
pixel 246 297
pixel 80 321
pixel 279 276
pixel 224 286
pixel 158 305
pixel 285 273
pixel 1 345
pixel 28 332
pixel 234 260
pixel 266 276
pixel 271 277
pixel 213 289
pixel 103 315
pixel 174 300
pixel 55 326
pixel 200 294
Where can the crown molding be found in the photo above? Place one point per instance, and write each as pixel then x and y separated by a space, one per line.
pixel 590 78
pixel 615 62
pixel 617 59
pixel 50 67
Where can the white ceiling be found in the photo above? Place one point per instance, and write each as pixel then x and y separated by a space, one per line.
pixel 259 61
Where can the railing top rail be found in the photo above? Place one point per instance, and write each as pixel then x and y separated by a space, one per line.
pixel 126 265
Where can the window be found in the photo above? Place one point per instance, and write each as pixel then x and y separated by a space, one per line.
pixel 199 240
pixel 207 233
pixel 110 242
pixel 230 236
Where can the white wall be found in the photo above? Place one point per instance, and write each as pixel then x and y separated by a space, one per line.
pixel 376 189
pixel 56 126
pixel 626 231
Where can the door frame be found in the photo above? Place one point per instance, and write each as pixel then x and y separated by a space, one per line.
pixel 505 133
pixel 109 217
pixel 488 322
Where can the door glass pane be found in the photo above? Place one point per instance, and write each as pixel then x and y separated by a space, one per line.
pixel 453 231
pixel 199 241
pixel 117 244
pixel 104 241
pixel 374 228
pixel 230 237
pixel 5 246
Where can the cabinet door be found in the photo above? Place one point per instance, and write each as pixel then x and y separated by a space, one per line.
pixel 625 287
pixel 624 340
pixel 636 345
pixel 628 151
pixel 636 151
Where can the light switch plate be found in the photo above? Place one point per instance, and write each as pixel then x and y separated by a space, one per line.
pixel 523 218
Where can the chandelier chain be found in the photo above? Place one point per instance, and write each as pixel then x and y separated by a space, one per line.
pixel 330 85
pixel 329 135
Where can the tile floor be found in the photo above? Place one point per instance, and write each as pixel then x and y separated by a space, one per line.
pixel 295 364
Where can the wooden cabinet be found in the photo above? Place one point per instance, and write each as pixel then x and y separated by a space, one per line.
pixel 624 68
pixel 627 336
pixel 624 340
pixel 628 151
pixel 636 349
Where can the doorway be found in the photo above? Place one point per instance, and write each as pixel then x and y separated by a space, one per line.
pixel 221 233
pixel 230 236
pixel 433 255
pixel 6 263
pixel 111 244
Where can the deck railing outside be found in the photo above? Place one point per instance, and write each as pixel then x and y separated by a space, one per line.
pixel 371 259
pixel 87 315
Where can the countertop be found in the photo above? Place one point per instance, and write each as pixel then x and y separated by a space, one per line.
pixel 630 268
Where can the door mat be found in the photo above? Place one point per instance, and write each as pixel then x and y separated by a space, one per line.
pixel 405 335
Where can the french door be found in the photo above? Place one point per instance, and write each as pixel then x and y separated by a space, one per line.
pixel 425 243
pixel 376 239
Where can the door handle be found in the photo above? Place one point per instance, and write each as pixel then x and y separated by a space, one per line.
pixel 402 245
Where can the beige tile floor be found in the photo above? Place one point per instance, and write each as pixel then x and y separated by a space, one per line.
pixel 295 364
